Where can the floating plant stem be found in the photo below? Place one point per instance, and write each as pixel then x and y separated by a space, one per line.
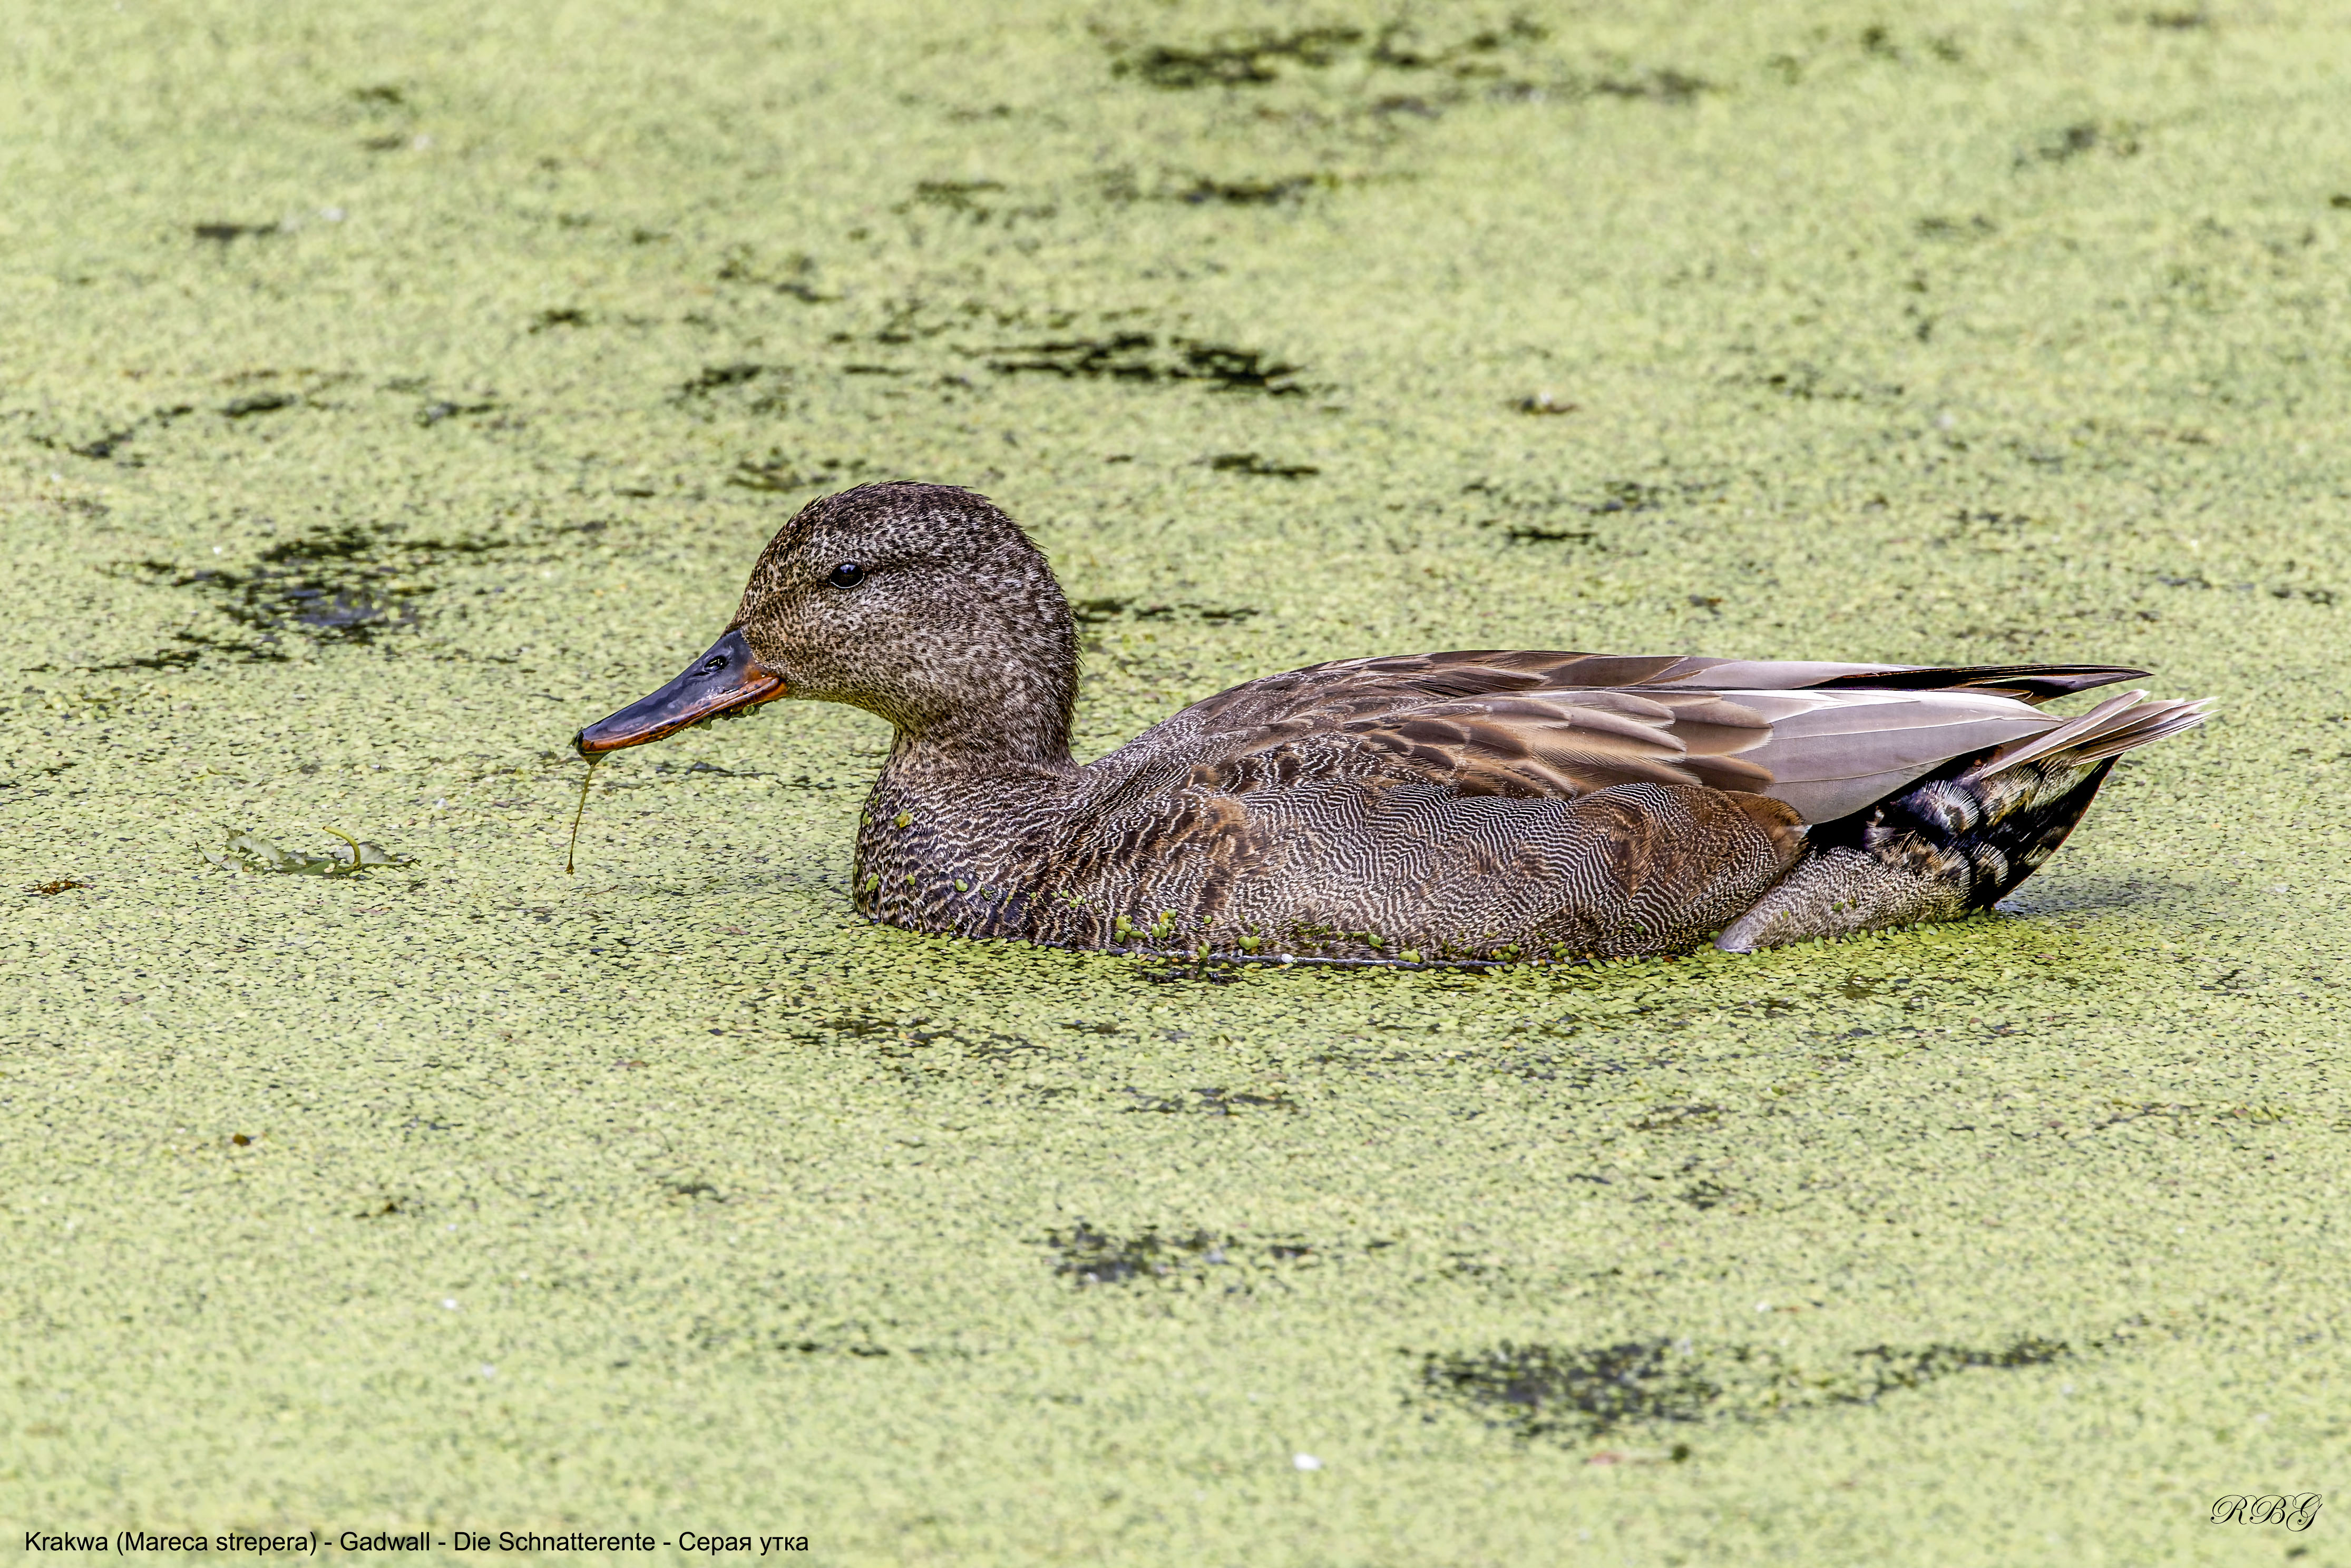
pixel 577 815
pixel 356 856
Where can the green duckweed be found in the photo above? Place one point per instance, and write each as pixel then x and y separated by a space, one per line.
pixel 389 390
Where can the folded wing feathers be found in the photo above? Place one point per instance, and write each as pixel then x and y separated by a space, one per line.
pixel 1825 752
pixel 1776 674
pixel 1536 748
pixel 1474 671
pixel 1827 738
pixel 2031 683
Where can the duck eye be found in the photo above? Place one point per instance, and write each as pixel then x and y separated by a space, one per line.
pixel 848 574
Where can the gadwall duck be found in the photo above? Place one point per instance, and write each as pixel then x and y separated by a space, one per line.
pixel 1430 807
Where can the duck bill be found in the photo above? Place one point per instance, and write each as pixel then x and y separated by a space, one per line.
pixel 727 680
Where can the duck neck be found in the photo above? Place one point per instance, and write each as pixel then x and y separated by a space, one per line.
pixel 985 780
pixel 958 825
pixel 976 791
pixel 965 750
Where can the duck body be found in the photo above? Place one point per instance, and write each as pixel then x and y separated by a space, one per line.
pixel 1495 805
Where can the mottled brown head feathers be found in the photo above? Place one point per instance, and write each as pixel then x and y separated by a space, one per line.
pixel 953 627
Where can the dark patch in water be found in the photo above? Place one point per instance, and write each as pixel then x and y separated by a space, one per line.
pixel 192 647
pixel 1250 462
pixel 568 317
pixel 258 403
pixel 1677 1118
pixel 779 472
pixel 850 1339
pixel 957 193
pixel 1121 357
pixel 222 233
pixel 113 440
pixel 2077 140
pixel 1976 227
pixel 1578 1392
pixel 1396 50
pixel 1200 190
pixel 794 276
pixel 328 586
pixel 1889 1368
pixel 52 772
pixel 1250 192
pixel 1537 533
pixel 1540 1390
pixel 1093 1258
pixel 1878 42
pixel 433 412
pixel 342 585
pixel 1090 1257
pixel 1246 60
pixel 1808 383
pixel 1144 357
pixel 969 199
pixel 1705 1195
pixel 1100 611
pixel 1658 86
pixel 714 377
pixel 1211 1101
pixel 711 767
pixel 1627 495
pixel 1534 516
pixel 105 446
pixel 1255 58
pixel 1466 67
pixel 900 1040
pixel 1095 611
pixel 1234 370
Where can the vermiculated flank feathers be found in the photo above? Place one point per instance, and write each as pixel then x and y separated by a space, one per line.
pixel 1480 804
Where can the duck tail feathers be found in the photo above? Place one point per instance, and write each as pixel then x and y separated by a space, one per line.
pixel 2122 723
pixel 1960 840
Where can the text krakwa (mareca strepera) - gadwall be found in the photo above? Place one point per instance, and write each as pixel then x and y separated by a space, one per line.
pixel 1426 807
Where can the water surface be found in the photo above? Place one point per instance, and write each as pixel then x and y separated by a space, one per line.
pixel 387 390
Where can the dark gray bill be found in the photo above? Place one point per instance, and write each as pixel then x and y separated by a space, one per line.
pixel 725 680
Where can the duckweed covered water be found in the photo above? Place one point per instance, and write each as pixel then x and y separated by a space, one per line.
pixel 389 389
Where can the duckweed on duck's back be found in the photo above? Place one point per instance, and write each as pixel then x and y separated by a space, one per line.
pixel 467 1190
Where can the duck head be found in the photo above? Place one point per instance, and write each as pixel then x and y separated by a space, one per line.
pixel 922 604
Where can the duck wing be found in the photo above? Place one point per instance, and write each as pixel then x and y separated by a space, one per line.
pixel 1826 738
